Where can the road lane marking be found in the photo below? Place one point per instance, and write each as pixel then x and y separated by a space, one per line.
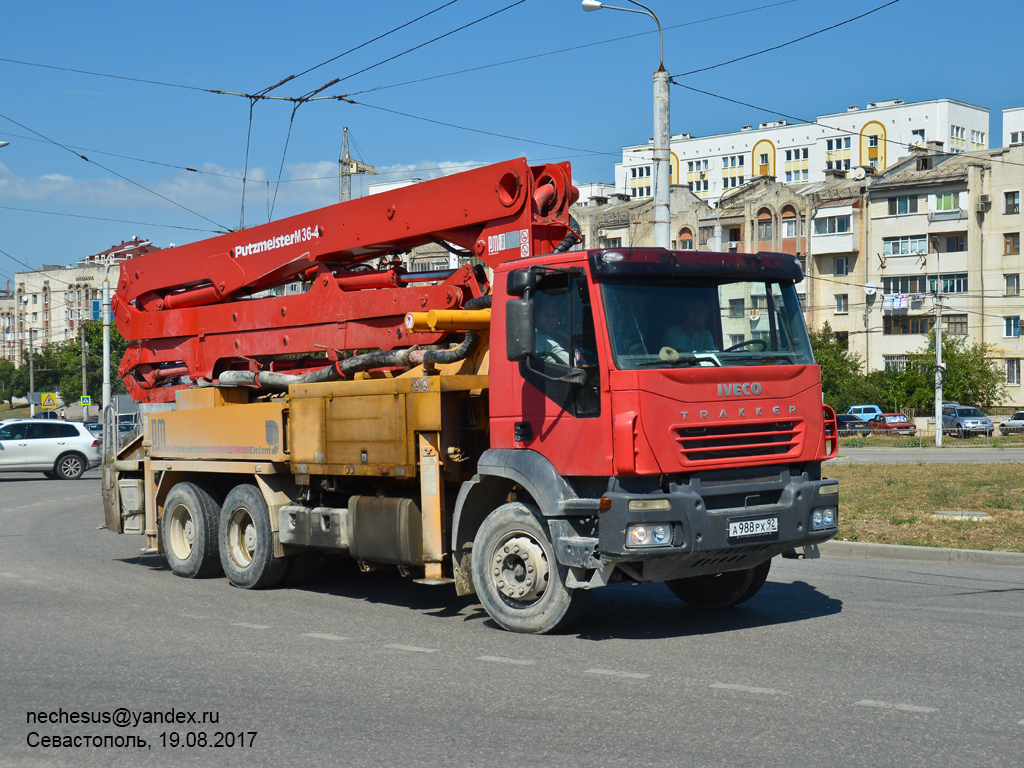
pixel 617 673
pixel 319 636
pixel 900 707
pixel 745 688
pixel 503 660
pixel 412 648
pixel 9 575
pixel 192 616
pixel 250 626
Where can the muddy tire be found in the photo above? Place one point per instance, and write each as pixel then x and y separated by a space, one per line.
pixel 721 590
pixel 247 541
pixel 516 576
pixel 188 528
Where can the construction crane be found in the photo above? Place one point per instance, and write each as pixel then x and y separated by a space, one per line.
pixel 349 167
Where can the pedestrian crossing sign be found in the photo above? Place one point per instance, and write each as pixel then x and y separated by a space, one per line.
pixel 49 400
pixel 86 400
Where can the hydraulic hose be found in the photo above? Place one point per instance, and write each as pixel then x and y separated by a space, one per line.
pixel 399 358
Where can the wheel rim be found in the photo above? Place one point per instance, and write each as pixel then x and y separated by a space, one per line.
pixel 242 537
pixel 70 466
pixel 182 532
pixel 519 569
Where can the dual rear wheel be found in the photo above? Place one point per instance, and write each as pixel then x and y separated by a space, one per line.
pixel 204 538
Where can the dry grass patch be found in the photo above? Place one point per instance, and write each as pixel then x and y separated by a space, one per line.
pixel 893 504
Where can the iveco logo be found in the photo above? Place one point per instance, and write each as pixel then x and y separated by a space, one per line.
pixel 745 389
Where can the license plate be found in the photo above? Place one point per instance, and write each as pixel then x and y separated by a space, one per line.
pixel 739 528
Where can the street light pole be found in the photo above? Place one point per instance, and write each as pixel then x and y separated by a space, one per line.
pixel 662 163
pixel 940 370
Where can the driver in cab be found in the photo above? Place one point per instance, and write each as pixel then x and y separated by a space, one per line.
pixel 692 334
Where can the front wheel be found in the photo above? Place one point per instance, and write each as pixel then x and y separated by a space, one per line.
pixel 517 578
pixel 721 590
pixel 247 541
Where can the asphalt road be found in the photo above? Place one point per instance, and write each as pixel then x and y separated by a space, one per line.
pixel 930 455
pixel 838 661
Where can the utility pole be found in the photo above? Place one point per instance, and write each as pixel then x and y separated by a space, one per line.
pixel 85 391
pixel 31 374
pixel 348 168
pixel 940 371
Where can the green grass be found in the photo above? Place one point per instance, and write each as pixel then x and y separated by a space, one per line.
pixel 894 504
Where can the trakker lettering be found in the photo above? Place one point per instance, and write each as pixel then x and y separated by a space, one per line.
pixel 760 410
pixel 301 235
pixel 747 389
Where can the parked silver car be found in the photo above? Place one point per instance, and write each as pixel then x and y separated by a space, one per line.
pixel 63 449
pixel 965 420
pixel 1013 425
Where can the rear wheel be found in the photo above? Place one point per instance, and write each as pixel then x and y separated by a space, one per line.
pixel 721 590
pixel 189 529
pixel 516 576
pixel 247 541
pixel 70 466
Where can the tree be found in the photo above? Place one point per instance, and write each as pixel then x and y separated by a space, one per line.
pixel 971 375
pixel 842 382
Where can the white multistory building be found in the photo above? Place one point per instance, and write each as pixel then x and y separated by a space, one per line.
pixel 874 137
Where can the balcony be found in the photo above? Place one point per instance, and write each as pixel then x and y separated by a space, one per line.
pixel 938 216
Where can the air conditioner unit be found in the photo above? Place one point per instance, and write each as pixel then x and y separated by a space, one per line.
pixel 984 199
pixel 733 245
pixel 980 208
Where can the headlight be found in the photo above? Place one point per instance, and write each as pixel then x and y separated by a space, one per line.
pixel 823 518
pixel 650 535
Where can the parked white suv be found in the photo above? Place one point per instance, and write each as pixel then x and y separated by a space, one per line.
pixel 63 449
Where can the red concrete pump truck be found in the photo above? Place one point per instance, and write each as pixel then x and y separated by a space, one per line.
pixel 558 422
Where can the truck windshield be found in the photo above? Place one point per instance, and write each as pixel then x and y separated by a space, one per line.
pixel 671 323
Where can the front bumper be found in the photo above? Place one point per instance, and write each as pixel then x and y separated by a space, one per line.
pixel 711 522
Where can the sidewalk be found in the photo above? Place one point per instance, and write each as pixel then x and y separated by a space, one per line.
pixel 870 551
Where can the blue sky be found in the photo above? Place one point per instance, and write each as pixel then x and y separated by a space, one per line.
pixel 547 81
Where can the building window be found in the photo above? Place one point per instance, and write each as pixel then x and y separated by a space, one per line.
pixel 947 201
pixel 1011 326
pixel 898 246
pixel 789 227
pixel 736 338
pixel 957 243
pixel 764 230
pixel 842 303
pixel 954 324
pixel 736 307
pixel 704 234
pixel 764 158
pixel 1012 283
pixel 735 234
pixel 1011 244
pixel 1012 202
pixel 842 266
pixel 759 302
pixel 872 141
pixel 905 325
pixel 900 206
pixel 954 283
pixel 1013 371
pixel 831 225
pixel 634 172
pixel 895 362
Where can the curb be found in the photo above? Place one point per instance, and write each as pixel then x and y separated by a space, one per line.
pixel 870 551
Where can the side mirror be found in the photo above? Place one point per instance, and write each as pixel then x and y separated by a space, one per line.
pixel 520 329
pixel 521 281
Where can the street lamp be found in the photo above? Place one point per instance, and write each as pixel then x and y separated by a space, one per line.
pixel 662 167
pixel 4 143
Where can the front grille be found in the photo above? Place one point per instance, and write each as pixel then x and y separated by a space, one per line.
pixel 746 440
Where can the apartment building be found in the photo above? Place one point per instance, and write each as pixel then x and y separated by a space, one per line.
pixel 938 228
pixel 50 304
pixel 874 136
